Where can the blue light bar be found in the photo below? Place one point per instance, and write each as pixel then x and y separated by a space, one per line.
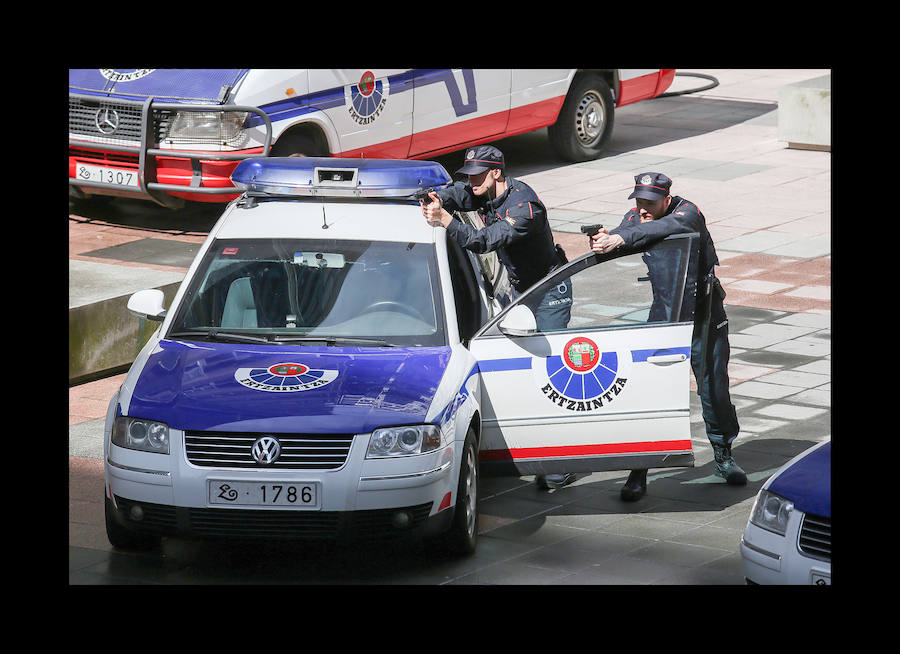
pixel 334 177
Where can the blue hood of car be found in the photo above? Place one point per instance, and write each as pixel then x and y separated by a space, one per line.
pixel 174 84
pixel 252 388
pixel 807 482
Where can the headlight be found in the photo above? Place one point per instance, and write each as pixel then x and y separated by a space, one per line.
pixel 402 441
pixel 140 434
pixel 771 512
pixel 221 127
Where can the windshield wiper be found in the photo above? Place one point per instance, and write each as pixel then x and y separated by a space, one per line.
pixel 331 340
pixel 217 334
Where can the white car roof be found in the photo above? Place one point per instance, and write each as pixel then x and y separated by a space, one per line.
pixel 367 220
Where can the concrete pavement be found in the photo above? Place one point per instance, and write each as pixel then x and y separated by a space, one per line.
pixel 768 209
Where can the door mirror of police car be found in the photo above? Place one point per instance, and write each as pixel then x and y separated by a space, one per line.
pixel 148 304
pixel 519 322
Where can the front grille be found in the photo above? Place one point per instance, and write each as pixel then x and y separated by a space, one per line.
pixel 83 119
pixel 298 451
pixel 264 524
pixel 815 536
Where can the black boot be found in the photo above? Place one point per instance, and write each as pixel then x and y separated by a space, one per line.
pixel 635 487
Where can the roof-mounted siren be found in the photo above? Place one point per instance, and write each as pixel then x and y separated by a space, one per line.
pixel 335 177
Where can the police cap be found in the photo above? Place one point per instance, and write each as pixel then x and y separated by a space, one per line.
pixel 480 158
pixel 651 186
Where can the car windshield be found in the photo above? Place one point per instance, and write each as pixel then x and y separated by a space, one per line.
pixel 299 290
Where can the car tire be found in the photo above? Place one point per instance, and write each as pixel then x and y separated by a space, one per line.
pixel 296 144
pixel 462 536
pixel 585 121
pixel 122 538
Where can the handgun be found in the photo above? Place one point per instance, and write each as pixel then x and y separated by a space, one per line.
pixel 422 195
pixel 590 230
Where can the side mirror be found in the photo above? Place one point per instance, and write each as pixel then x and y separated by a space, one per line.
pixel 519 322
pixel 148 304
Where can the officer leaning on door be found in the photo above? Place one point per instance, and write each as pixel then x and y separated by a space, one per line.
pixel 656 216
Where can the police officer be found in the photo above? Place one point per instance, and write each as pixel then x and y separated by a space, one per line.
pixel 516 227
pixel 657 215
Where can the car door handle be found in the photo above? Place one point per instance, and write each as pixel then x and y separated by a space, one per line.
pixel 667 358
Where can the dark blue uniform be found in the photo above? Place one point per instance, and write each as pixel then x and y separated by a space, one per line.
pixel 684 217
pixel 516 227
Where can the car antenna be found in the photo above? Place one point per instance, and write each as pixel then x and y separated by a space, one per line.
pixel 324 222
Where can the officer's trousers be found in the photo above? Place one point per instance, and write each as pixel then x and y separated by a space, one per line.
pixel 715 399
pixel 553 309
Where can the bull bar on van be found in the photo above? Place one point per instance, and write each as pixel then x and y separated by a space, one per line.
pixel 146 130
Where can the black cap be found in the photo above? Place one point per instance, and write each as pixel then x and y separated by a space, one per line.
pixel 651 186
pixel 480 158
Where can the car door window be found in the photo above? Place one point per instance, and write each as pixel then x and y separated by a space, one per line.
pixel 492 274
pixel 622 289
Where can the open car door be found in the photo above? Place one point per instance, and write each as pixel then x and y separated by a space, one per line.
pixel 610 391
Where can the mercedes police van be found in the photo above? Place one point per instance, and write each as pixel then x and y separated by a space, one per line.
pixel 172 135
pixel 332 367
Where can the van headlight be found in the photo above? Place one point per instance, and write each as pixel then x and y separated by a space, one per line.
pixel 403 441
pixel 140 434
pixel 771 512
pixel 221 127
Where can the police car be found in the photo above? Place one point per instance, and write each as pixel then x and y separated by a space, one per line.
pixel 333 367
pixel 788 535
pixel 176 135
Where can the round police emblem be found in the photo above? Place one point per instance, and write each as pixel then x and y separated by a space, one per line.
pixel 284 378
pixel 646 179
pixel 470 154
pixel 581 378
pixel 367 98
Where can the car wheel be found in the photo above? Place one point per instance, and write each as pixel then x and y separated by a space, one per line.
pixel 463 534
pixel 122 538
pixel 585 121
pixel 296 145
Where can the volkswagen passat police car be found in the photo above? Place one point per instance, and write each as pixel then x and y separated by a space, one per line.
pixel 788 535
pixel 333 367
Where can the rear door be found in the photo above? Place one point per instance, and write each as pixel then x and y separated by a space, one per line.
pixel 608 392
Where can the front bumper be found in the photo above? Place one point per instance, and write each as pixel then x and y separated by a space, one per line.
pixel 159 174
pixel 363 499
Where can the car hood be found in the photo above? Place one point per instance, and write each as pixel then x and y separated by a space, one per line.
pixel 174 84
pixel 806 481
pixel 228 387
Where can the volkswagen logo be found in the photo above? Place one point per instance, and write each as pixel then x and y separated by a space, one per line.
pixel 106 120
pixel 266 450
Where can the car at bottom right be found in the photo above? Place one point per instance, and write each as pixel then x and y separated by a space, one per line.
pixel 788 535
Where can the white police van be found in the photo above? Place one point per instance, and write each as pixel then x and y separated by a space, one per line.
pixel 172 135
pixel 333 367
pixel 787 539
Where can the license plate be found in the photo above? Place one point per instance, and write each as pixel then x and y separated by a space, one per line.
pixel 115 176
pixel 270 493
pixel 820 579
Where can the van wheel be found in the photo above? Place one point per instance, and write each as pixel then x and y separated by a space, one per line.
pixel 585 121
pixel 122 538
pixel 296 145
pixel 463 533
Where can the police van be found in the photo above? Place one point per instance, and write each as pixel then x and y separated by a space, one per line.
pixel 176 135
pixel 332 367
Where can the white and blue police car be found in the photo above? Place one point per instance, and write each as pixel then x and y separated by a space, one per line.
pixel 788 535
pixel 332 367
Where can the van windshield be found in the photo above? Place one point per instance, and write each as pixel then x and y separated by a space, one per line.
pixel 301 290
